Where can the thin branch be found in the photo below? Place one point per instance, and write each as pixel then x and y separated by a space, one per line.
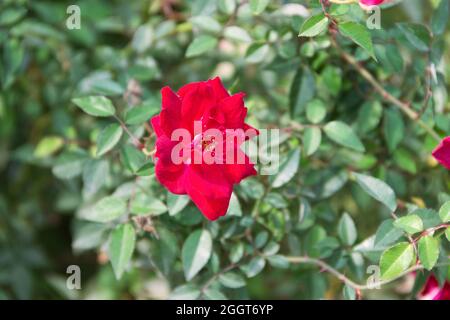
pixel 135 140
pixel 358 287
pixel 428 92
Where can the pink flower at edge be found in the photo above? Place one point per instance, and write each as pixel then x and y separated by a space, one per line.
pixel 366 4
pixel 208 185
pixel 432 291
pixel 371 2
pixel 442 152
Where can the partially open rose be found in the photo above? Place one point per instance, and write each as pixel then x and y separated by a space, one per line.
pixel 207 115
pixel 432 290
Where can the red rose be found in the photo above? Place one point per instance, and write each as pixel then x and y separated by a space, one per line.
pixel 206 106
pixel 442 152
pixel 432 290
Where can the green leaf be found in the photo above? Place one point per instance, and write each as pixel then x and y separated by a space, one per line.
pixel 302 90
pixel 185 292
pixel 312 138
pixel 234 208
pixel 146 169
pixel 349 292
pixel 237 34
pixel 261 239
pixel 347 230
pixel 121 247
pixel 196 252
pixel 165 251
pixel 176 203
pixel 236 252
pixel 88 235
pixel 447 233
pixel 12 60
pixel 97 106
pixel 440 18
pixel 95 173
pixel 227 6
pixel 377 189
pixel 48 146
pixel 394 128
pixel 10 15
pixel 428 251
pixel 313 238
pixel 387 234
pixel 316 111
pixel 288 169
pixel 257 53
pixel 145 204
pixel 232 280
pixel 331 78
pixel 410 223
pixel 69 164
pixel 405 161
pixel 278 261
pixel 342 134
pixel 444 212
pixel 255 266
pixel 107 87
pixel 206 23
pixel 133 158
pixel 369 116
pixel 395 260
pixel 201 45
pixel 108 138
pixel 359 34
pixel 141 113
pixel 313 26
pixel 258 6
pixel 429 217
pixel 107 209
pixel 271 248
pixel 213 294
pixel 417 35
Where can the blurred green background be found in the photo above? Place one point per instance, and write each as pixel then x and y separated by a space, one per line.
pixel 43 65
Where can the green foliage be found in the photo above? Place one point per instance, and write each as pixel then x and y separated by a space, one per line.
pixel 121 248
pixel 396 260
pixel 359 112
pixel 410 224
pixel 428 251
pixel 359 34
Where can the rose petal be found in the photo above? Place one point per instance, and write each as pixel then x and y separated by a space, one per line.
pixel 238 171
pixel 219 90
pixel 170 116
pixel 156 124
pixel 234 110
pixel 168 174
pixel 209 189
pixel 195 104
